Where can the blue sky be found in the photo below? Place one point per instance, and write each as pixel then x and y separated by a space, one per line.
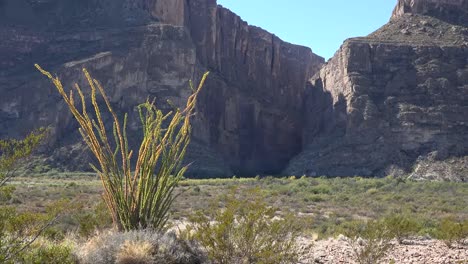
pixel 322 25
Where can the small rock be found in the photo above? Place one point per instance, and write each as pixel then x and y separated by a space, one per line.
pixel 342 237
pixel 405 31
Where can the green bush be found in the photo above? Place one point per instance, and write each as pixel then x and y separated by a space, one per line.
pixel 320 189
pixel 370 240
pixel 245 231
pixel 17 230
pixel 401 226
pixel 49 253
pixel 12 153
pixel 452 231
pixel 91 221
pixel 140 197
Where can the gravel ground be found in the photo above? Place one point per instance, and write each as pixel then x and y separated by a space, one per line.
pixel 424 251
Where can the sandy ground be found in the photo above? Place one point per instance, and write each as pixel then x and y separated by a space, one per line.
pixel 424 251
pixel 414 251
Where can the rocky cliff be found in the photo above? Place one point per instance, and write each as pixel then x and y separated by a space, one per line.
pixel 249 119
pixel 453 11
pixel 396 100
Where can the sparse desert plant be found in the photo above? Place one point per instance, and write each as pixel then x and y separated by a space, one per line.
pixel 139 197
pixel 49 252
pixel 401 226
pixel 245 231
pixel 370 241
pixel 92 220
pixel 18 230
pixel 12 153
pixel 452 231
pixel 139 246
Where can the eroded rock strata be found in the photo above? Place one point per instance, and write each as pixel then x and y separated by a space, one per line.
pixel 249 117
pixel 398 99
pixel 394 102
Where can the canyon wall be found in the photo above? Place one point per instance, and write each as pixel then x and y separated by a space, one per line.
pixel 394 102
pixel 399 101
pixel 249 117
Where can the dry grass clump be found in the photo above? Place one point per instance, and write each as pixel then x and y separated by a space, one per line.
pixel 139 246
pixel 135 252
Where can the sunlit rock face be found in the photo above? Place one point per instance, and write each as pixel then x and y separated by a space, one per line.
pixel 398 100
pixel 249 118
pixel 454 11
pixel 394 102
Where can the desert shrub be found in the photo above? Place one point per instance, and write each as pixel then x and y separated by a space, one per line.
pixel 17 230
pixel 139 246
pixel 401 226
pixel 320 189
pixel 370 240
pixel 135 252
pixel 92 220
pixel 12 153
pixel 196 190
pixel 49 252
pixel 138 197
pixel 452 231
pixel 245 231
pixel 315 198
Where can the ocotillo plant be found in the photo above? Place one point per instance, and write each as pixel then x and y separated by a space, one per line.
pixel 138 197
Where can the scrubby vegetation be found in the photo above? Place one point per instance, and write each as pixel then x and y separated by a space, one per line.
pixel 245 231
pixel 139 246
pixel 401 226
pixel 420 216
pixel 369 240
pixel 452 231
pixel 58 217
pixel 18 230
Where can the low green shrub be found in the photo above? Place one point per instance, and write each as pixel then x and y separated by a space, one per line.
pixel 452 231
pixel 49 253
pixel 401 226
pixel 320 189
pixel 19 230
pixel 245 231
pixel 370 240
pixel 93 220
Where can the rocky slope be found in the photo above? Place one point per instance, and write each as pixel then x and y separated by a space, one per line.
pixel 397 99
pixel 249 116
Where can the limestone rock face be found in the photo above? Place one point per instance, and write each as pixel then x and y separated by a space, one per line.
pixel 256 98
pixel 395 102
pixel 454 11
pixel 249 116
